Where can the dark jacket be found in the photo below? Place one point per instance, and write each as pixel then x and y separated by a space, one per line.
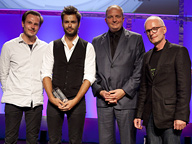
pixel 121 72
pixel 167 94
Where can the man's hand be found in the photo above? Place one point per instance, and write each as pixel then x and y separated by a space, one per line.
pixel 68 105
pixel 179 124
pixel 104 94
pixel 137 123
pixel 112 96
pixel 107 96
pixel 116 95
pixel 57 102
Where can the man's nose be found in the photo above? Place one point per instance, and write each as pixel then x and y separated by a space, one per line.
pixel 69 25
pixel 33 26
pixel 114 19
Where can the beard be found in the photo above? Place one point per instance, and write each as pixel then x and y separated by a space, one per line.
pixel 72 34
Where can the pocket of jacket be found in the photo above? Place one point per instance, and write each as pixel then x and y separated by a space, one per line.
pixel 171 101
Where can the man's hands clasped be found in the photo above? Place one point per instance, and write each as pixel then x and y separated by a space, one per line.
pixel 112 96
pixel 64 106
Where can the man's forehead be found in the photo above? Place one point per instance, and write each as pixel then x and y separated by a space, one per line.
pixel 32 18
pixel 70 17
pixel 114 11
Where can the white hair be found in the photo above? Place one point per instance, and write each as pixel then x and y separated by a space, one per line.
pixel 155 18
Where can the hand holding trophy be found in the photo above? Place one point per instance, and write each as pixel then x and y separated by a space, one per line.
pixel 58 94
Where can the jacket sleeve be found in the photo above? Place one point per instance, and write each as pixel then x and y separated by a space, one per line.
pixel 143 91
pixel 183 80
pixel 132 85
pixel 96 87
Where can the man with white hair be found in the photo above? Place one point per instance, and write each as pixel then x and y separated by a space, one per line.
pixel 165 89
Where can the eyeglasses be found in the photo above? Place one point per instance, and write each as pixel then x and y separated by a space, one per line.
pixel 154 30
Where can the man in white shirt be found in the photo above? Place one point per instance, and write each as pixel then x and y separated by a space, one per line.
pixel 69 64
pixel 21 61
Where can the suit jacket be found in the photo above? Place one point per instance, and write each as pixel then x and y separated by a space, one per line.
pixel 121 72
pixel 168 93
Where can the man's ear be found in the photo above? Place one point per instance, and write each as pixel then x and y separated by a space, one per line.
pixel 106 20
pixel 22 23
pixel 123 19
pixel 164 29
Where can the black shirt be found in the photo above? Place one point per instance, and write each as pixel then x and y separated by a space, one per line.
pixel 154 60
pixel 114 40
pixel 30 46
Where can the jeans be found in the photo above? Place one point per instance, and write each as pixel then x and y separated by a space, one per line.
pixel 161 136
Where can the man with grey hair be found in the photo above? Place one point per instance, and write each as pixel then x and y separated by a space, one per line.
pixel 165 90
pixel 119 55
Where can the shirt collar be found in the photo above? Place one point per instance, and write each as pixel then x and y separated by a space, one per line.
pixel 20 40
pixel 74 41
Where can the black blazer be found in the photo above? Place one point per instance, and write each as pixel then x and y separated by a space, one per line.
pixel 121 72
pixel 168 93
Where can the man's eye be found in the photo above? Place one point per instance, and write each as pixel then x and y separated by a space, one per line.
pixel 148 31
pixel 155 28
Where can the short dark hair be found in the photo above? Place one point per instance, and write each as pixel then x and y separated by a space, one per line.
pixel 33 13
pixel 69 10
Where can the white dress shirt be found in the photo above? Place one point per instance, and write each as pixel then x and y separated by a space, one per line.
pixel 20 72
pixel 89 66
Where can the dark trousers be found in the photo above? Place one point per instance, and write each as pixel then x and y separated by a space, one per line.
pixel 13 116
pixel 106 122
pixel 75 118
pixel 161 136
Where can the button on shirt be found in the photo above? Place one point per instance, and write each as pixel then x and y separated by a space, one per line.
pixel 89 70
pixel 20 72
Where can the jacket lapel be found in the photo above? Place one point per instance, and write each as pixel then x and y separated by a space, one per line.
pixel 122 42
pixel 148 65
pixel 105 43
pixel 162 58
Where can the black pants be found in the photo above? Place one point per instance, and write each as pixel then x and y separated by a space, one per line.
pixel 75 118
pixel 13 116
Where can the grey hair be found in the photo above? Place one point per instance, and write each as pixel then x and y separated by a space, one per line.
pixel 155 18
